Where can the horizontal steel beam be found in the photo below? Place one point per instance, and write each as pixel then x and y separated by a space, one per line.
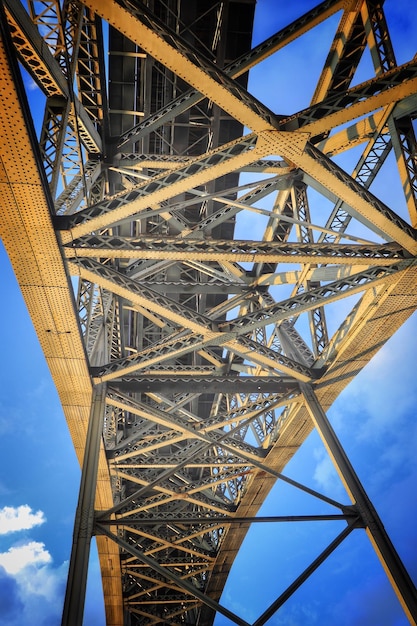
pixel 205 384
pixel 238 251
pixel 209 519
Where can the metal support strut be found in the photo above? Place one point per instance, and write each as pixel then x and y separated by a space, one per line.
pixel 388 556
pixel 84 518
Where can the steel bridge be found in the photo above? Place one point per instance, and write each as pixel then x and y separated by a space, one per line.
pixel 192 364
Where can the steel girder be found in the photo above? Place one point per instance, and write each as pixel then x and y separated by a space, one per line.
pixel 216 350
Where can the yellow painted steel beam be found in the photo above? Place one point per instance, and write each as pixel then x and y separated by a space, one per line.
pixel 46 70
pixel 404 143
pixel 364 106
pixel 150 448
pixel 222 91
pixel 204 335
pixel 167 465
pixel 167 544
pixel 29 238
pixel 356 327
pixel 167 163
pixel 158 585
pixel 164 419
pixel 358 133
pixel 357 340
pixel 348 355
pixel 270 140
pixel 364 206
pixel 265 145
pixel 147 506
pixel 243 64
pixel 334 272
pixel 359 203
pixel 343 35
pixel 233 330
pixel 296 29
pixel 322 170
pixel 35 51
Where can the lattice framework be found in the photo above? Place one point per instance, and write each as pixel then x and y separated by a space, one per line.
pixel 147 181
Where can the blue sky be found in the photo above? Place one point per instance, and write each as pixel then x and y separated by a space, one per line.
pixel 375 420
pixel 374 417
pixel 39 472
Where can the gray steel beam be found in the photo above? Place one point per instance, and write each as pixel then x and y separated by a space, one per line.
pixel 168 574
pixel 206 384
pixel 199 447
pixel 186 249
pixel 188 520
pixel 387 554
pixel 84 518
pixel 266 615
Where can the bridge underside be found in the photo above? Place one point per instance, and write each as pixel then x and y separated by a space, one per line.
pixel 203 265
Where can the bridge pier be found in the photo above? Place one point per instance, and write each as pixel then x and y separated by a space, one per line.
pixel 84 518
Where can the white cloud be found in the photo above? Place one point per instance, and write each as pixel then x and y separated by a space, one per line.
pixel 31 587
pixel 13 519
pixel 17 558
pixel 40 582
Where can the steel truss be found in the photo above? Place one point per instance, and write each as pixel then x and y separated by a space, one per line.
pixel 193 364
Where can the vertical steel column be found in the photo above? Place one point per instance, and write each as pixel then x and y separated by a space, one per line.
pixel 84 518
pixel 390 560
